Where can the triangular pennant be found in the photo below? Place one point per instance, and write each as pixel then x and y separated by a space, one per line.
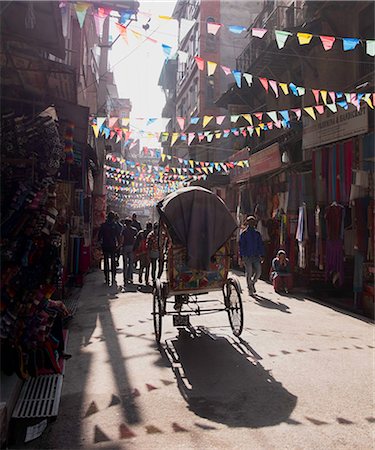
pixel 332 96
pixel 191 137
pixel 185 26
pixel 218 135
pixel 213 28
pixel 220 119
pixel 211 67
pixel 112 121
pixel 316 95
pixel 200 62
pixel 327 42
pixel 324 96
pixel 81 9
pixel 210 137
pixel 332 107
pixel 273 115
pixel 237 29
pixel 258 32
pixel 167 50
pixel 367 99
pixel 284 88
pixel 319 109
pixel 194 120
pixel 226 70
pixel 100 121
pixel 304 38
pixel 206 120
pixel 95 129
pixel 174 138
pixel 257 129
pixel 370 48
pixel 123 32
pixel 234 118
pixel 264 83
pixel 274 87
pixel 237 76
pixel 297 112
pixel 349 43
pixel 249 78
pixel 248 118
pixel 310 111
pixel 136 34
pixel 301 90
pixel 183 56
pixel 281 37
pixel 293 88
pixel 259 116
pixel 285 115
pixel 181 122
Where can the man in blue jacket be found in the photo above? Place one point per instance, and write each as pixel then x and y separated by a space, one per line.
pixel 251 253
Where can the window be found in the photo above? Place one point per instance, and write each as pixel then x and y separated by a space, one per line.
pixel 210 91
pixel 210 38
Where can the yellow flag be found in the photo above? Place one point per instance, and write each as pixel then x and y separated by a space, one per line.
pixel 284 88
pixel 218 135
pixel 324 96
pixel 191 162
pixel 125 121
pixel 163 157
pixel 95 129
pixel 304 38
pixel 257 129
pixel 174 138
pixel 207 120
pixel 240 163
pixel 211 67
pixel 136 34
pixel 166 17
pixel 248 118
pixel 205 170
pixel 367 99
pixel 262 126
pixel 310 111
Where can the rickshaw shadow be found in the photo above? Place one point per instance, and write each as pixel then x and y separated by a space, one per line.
pixel 221 384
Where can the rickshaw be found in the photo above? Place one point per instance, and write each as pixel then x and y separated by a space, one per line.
pixel 195 227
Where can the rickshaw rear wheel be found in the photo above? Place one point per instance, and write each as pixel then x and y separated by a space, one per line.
pixel 157 313
pixel 233 303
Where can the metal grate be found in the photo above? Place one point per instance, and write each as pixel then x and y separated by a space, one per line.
pixel 39 397
pixel 71 305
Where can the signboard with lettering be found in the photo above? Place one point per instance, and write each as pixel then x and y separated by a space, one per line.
pixel 334 127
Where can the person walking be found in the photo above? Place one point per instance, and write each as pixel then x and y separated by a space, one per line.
pixel 135 224
pixel 128 239
pixel 109 238
pixel 119 225
pixel 153 249
pixel 251 253
pixel 141 254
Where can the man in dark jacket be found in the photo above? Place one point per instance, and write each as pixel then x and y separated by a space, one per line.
pixel 251 253
pixel 129 234
pixel 135 224
pixel 109 238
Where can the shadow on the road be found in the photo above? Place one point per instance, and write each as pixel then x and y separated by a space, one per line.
pixel 267 303
pixel 221 384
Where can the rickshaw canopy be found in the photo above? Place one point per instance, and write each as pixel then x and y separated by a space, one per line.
pixel 199 220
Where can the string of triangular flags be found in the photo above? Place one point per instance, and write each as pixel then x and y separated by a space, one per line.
pixel 278 119
pixel 190 165
pixel 281 36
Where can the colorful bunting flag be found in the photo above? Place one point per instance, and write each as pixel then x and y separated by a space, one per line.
pixel 281 37
pixel 316 95
pixel 248 118
pixel 207 120
pixel 264 83
pixel 200 62
pixel 304 38
pixel 370 48
pixel 167 50
pixel 213 28
pixel 211 67
pixel 181 122
pixel 183 56
pixel 220 119
pixel 175 136
pixel 284 88
pixel 237 77
pixel 327 42
pixel 226 70
pixel 349 43
pixel 310 111
pixel 81 9
pixel 258 32
pixel 274 87
pixel 319 109
pixel 237 29
pixel 249 78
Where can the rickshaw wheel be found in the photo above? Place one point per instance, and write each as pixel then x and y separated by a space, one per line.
pixel 157 313
pixel 233 303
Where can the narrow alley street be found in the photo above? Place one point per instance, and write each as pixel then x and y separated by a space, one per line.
pixel 299 377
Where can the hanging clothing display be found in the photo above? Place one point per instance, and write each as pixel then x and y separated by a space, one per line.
pixel 334 216
pixel 302 236
pixel 318 238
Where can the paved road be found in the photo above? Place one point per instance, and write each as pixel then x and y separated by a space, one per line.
pixel 301 377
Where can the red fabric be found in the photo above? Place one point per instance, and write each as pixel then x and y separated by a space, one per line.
pixel 280 283
pixel 333 217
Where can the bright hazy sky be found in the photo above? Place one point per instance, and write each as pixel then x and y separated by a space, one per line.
pixel 138 74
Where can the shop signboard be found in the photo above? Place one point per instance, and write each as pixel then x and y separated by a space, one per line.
pixel 330 127
pixel 266 160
